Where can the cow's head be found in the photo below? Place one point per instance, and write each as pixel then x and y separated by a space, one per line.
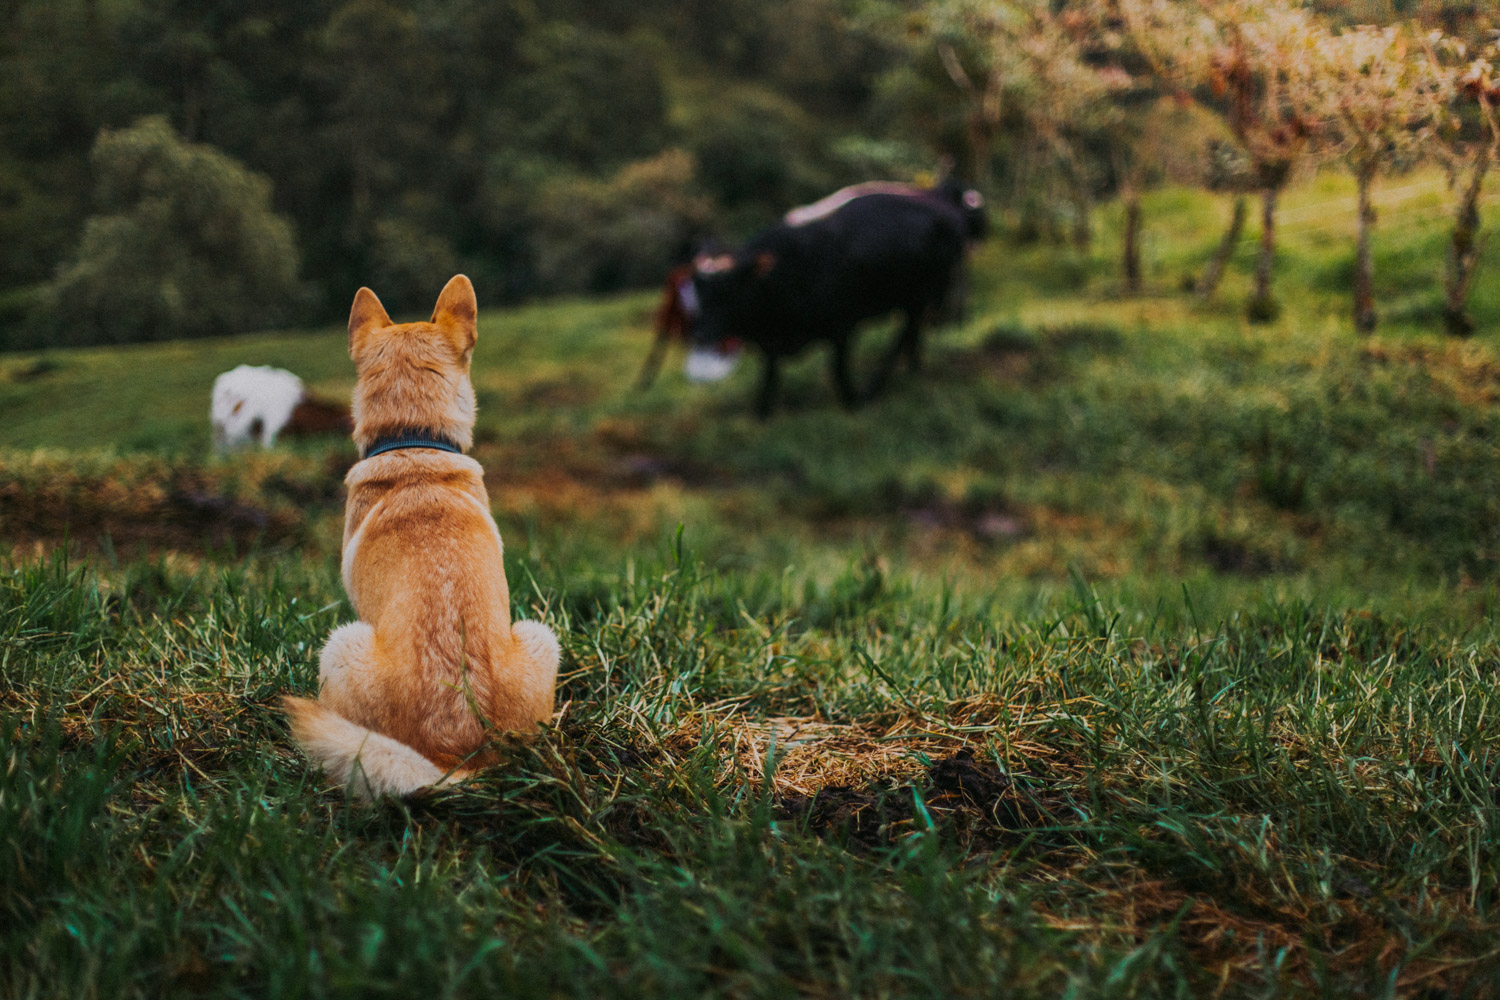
pixel 725 285
pixel 976 216
pixel 968 201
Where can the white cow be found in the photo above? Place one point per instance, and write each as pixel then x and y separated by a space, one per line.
pixel 252 403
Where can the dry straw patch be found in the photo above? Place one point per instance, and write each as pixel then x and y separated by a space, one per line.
pixel 810 753
pixel 1465 371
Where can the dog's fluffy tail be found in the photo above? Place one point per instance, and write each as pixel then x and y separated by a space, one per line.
pixel 368 764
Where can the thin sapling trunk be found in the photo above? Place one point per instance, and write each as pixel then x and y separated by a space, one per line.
pixel 1132 248
pixel 1263 307
pixel 1464 250
pixel 1364 266
pixel 1213 272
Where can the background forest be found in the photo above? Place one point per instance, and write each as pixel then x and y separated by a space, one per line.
pixel 189 167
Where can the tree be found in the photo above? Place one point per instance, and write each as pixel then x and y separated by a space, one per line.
pixel 1373 91
pixel 61 79
pixel 1011 60
pixel 601 235
pixel 1134 113
pixel 1247 59
pixel 1466 145
pixel 1006 86
pixel 408 136
pixel 184 243
pixel 1227 170
pixel 388 96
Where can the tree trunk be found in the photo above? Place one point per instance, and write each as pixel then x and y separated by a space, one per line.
pixel 1464 251
pixel 1263 307
pixel 192 111
pixel 1132 241
pixel 361 201
pixel 1213 272
pixel 979 150
pixel 1364 267
pixel 1083 225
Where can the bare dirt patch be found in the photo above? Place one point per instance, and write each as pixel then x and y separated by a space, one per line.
pixel 158 505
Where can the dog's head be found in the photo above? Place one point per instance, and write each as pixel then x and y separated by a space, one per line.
pixel 414 376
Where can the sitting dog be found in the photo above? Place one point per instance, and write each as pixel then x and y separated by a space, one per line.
pixel 409 692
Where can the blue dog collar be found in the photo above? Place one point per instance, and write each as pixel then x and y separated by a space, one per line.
pixel 411 439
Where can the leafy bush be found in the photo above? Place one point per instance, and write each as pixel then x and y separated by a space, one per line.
pixel 757 153
pixel 184 243
pixel 46 220
pixel 408 262
pixel 597 235
pixel 554 106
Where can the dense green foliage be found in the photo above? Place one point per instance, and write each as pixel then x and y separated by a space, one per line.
pixel 1129 651
pixel 565 146
pixel 404 139
pixel 184 244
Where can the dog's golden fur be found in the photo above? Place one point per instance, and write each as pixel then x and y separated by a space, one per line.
pixel 408 690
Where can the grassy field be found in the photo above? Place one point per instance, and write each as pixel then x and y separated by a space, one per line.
pixel 1127 651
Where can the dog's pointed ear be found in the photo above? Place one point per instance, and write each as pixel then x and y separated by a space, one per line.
pixel 457 312
pixel 365 316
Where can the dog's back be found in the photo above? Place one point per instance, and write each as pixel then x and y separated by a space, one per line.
pixel 425 565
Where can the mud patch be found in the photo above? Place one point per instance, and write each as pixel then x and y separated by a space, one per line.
pixel 556 394
pixel 1096 338
pixel 1011 353
pixel 153 503
pixel 1462 370
pixel 868 818
pixel 966 798
pixel 990 523
pixel 187 519
pixel 637 460
pixel 1007 339
pixel 990 804
pixel 642 469
pixel 1240 556
pixel 40 368
pixel 961 780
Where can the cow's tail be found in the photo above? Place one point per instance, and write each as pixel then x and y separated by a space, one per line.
pixel 368 764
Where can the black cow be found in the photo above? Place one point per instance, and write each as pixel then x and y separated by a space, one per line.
pixel 795 285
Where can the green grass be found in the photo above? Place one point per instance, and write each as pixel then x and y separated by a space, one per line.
pixel 1130 650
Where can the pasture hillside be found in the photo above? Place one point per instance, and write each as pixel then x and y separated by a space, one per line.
pixel 1128 650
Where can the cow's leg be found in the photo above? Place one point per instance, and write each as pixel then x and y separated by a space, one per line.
pixel 911 338
pixel 843 379
pixel 653 360
pixel 908 344
pixel 955 304
pixel 770 379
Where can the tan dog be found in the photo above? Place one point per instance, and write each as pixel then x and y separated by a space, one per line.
pixel 408 691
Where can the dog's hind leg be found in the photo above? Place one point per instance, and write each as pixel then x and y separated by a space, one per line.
pixel 537 648
pixel 346 670
pixel 339 731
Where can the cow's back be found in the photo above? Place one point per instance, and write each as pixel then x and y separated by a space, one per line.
pixel 878 253
pixel 898 251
